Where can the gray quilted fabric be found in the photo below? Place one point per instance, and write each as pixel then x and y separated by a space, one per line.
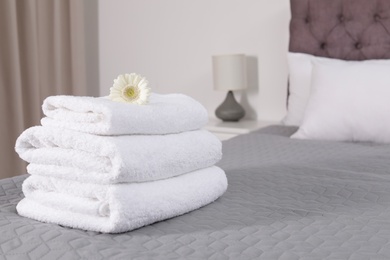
pixel 287 199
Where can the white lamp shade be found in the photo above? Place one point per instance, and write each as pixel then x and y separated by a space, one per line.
pixel 229 72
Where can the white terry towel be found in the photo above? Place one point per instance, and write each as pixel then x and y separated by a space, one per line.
pixel 119 207
pixel 164 114
pixel 90 158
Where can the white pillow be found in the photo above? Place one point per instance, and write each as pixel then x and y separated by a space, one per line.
pixel 300 68
pixel 349 101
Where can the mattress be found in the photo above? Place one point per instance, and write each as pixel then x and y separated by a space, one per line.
pixel 287 199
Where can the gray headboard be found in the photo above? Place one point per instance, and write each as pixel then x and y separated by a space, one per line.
pixel 343 29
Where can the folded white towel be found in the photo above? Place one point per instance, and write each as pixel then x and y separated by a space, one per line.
pixel 164 114
pixel 90 158
pixel 119 207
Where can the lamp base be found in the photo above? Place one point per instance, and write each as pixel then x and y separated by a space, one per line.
pixel 230 110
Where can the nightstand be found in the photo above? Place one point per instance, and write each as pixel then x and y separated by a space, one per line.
pixel 227 130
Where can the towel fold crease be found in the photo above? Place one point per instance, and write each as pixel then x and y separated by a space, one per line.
pixel 120 207
pixel 164 114
pixel 90 158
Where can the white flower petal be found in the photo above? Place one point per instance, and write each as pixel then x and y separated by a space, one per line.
pixel 130 88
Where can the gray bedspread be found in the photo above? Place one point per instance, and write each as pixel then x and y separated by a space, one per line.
pixel 287 199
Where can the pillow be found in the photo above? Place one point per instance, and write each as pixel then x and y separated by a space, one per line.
pixel 300 68
pixel 349 101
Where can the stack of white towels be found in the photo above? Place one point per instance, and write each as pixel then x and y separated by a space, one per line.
pixel 111 167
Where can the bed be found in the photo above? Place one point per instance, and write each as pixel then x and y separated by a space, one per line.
pixel 287 198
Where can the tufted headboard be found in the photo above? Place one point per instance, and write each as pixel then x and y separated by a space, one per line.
pixel 343 29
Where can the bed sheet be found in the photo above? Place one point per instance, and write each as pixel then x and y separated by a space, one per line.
pixel 287 199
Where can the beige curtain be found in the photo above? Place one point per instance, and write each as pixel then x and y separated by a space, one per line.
pixel 41 54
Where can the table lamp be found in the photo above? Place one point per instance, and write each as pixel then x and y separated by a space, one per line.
pixel 229 73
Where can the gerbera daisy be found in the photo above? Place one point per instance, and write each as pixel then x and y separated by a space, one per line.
pixel 130 88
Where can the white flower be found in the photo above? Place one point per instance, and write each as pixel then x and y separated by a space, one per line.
pixel 131 88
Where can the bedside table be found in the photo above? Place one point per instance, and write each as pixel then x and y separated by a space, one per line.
pixel 227 130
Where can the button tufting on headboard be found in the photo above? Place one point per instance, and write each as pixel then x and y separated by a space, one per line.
pixel 343 29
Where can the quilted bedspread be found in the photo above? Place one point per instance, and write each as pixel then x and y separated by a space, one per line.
pixel 287 199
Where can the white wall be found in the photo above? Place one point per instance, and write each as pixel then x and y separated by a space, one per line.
pixel 170 42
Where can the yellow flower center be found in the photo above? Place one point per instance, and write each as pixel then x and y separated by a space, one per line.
pixel 130 92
